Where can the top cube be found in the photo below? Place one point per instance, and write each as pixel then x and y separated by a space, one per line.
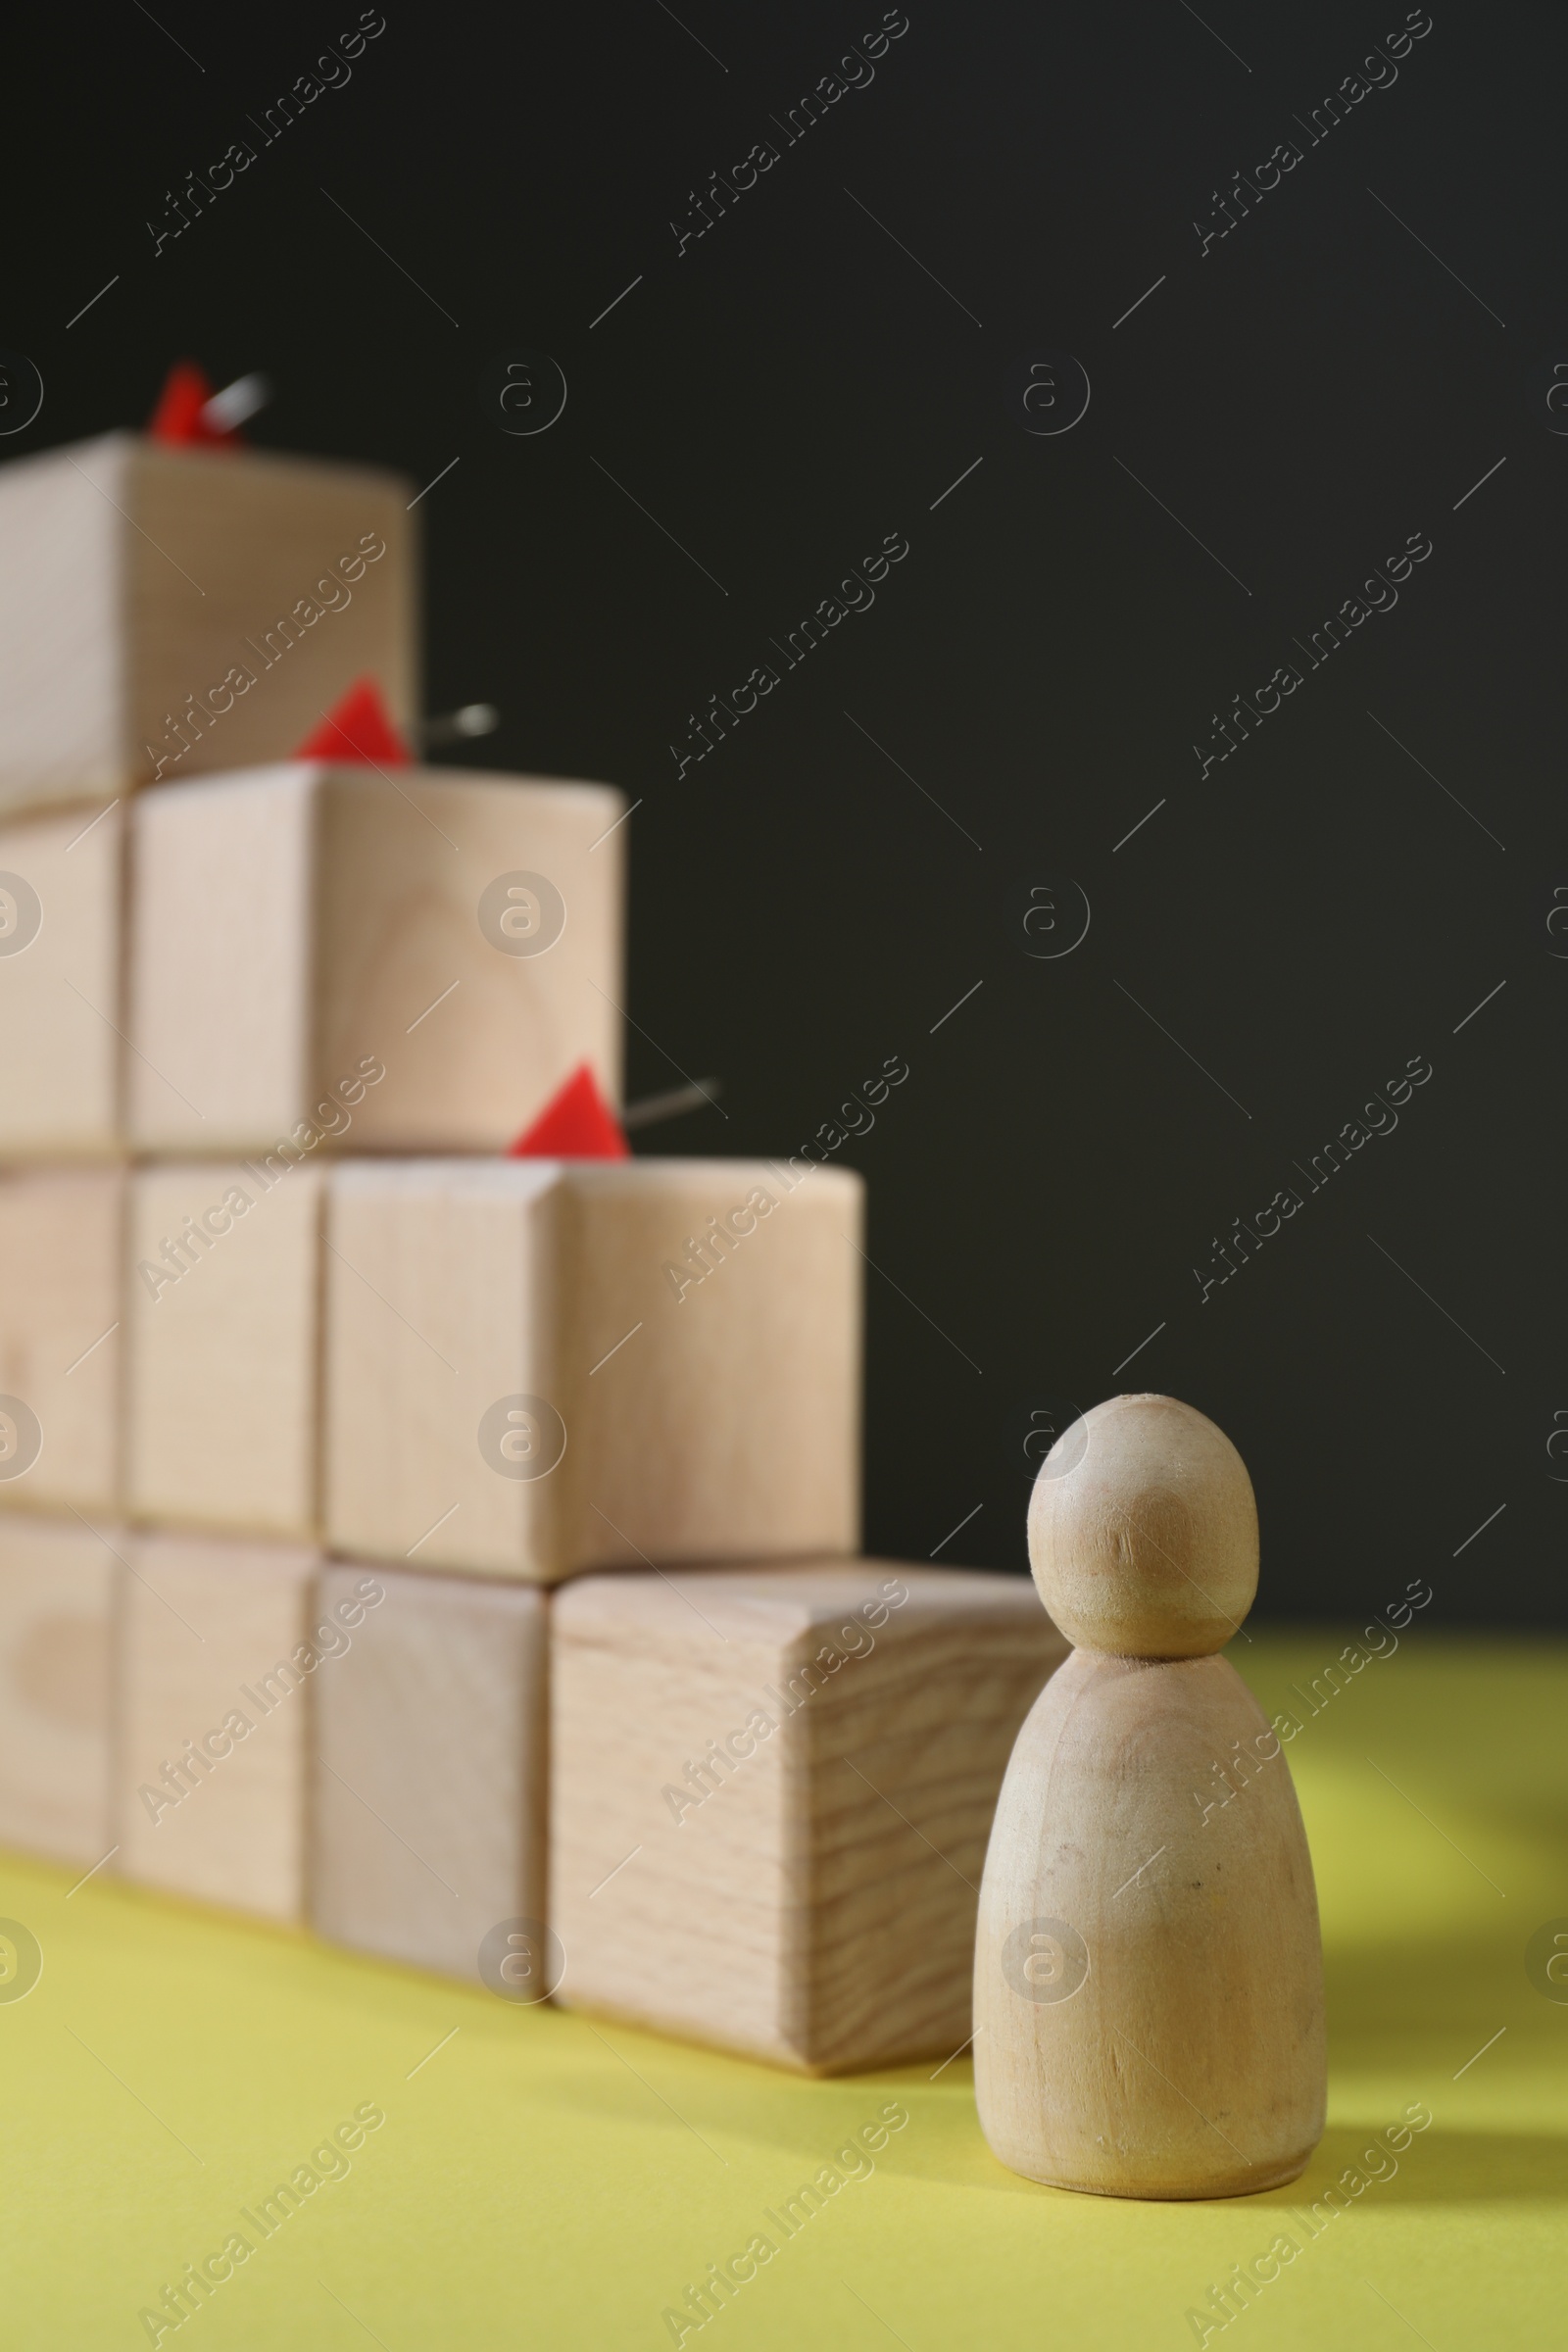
pixel 167 612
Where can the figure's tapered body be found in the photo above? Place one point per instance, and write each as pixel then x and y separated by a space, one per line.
pixel 1149 2002
pixel 1188 2061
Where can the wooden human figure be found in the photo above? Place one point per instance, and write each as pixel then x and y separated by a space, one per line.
pixel 1148 1979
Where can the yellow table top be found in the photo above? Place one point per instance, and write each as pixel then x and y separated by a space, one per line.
pixel 541 2181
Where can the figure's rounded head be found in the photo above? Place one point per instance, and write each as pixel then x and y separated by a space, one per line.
pixel 1142 1531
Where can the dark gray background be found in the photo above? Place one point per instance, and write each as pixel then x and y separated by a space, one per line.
pixel 1303 396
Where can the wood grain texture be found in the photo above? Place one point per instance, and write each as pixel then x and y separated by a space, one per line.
pixel 300 924
pixel 61 1333
pixel 429 1780
pixel 222 962
pixel 1148 1977
pixel 720 1423
pixel 213 1687
pixel 62 623
pixel 139 578
pixel 61 994
pixel 57 1590
pixel 1188 2061
pixel 1142 1531
pixel 224 1346
pixel 771 1793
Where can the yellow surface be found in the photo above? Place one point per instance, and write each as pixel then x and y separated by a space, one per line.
pixel 539 2183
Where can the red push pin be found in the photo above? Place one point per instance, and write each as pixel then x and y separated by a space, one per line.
pixel 190 415
pixel 358 729
pixel 577 1123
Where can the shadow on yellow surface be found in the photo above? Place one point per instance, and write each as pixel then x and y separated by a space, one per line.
pixel 549 2178
pixel 1451 2167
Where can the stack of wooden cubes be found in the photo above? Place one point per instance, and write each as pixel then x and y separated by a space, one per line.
pixel 450 1550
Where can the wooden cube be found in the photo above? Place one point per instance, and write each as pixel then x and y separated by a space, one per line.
pixel 165 611
pixel 61 1252
pixel 429 1807
pixel 770 1796
pixel 527 1374
pixel 222 1308
pixel 57 1590
pixel 401 961
pixel 214 1668
pixel 61 1011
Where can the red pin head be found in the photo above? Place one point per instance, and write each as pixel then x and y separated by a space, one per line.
pixel 577 1123
pixel 357 728
pixel 180 420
